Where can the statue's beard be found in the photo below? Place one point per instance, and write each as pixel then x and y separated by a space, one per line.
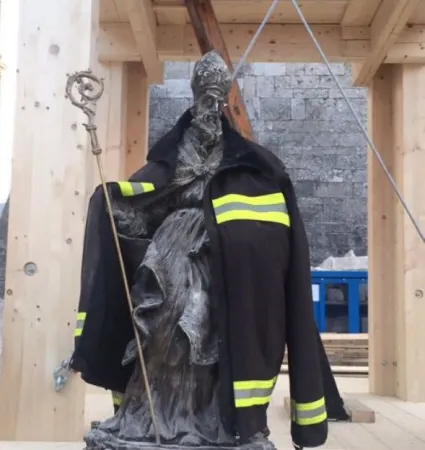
pixel 208 128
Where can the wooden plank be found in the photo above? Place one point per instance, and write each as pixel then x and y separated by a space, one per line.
pixel 111 120
pixel 143 23
pixel 359 12
pixel 359 412
pixel 208 35
pixel 289 43
pixel 46 222
pixel 108 11
pixel 276 43
pixel 254 11
pixel 137 118
pixel 390 20
pixel 409 148
pixel 396 360
pixel 116 43
pixel 381 233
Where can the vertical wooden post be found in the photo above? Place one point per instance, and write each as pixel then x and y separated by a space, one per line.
pixel 381 238
pixel 137 118
pixel 46 222
pixel 397 254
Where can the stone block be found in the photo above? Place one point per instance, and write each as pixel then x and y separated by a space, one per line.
pixel 170 108
pixel 177 70
pixel 302 69
pixel 275 69
pixel 310 93
pixel 275 109
pixel 178 89
pixel 250 86
pixel 297 109
pixel 294 82
pixel 360 190
pixel 265 87
pixel 320 108
pixel 349 92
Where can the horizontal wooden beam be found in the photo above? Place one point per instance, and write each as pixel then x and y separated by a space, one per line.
pixel 388 23
pixel 359 12
pixel 277 43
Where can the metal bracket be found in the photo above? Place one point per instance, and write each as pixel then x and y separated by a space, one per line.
pixel 62 374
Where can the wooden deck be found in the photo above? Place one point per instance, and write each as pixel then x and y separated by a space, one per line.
pixel 399 425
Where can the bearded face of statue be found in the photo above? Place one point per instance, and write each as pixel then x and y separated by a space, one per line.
pixel 211 83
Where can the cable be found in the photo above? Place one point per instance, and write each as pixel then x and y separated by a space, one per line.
pixel 254 39
pixel 365 133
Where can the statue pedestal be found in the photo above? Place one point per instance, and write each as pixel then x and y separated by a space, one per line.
pixel 100 440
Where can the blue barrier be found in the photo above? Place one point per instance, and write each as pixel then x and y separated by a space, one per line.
pixel 322 280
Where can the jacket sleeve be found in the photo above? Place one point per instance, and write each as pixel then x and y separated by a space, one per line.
pixel 309 426
pixel 104 325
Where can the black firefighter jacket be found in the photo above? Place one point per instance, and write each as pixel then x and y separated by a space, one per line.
pixel 261 286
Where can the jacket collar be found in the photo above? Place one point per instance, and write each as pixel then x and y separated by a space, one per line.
pixel 237 150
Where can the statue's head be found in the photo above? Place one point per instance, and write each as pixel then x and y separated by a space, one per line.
pixel 211 83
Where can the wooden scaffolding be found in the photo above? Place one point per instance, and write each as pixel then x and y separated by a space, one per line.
pixel 126 43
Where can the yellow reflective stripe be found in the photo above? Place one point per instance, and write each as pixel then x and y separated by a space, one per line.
pixel 268 199
pixel 309 413
pixel 81 317
pixel 117 398
pixel 277 217
pixel 254 384
pixel 254 401
pixel 253 392
pixel 310 406
pixel 78 332
pixel 128 189
pixel 266 208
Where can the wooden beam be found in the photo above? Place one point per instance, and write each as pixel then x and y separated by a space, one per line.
pixel 397 361
pixel 137 129
pixel 46 223
pixel 209 37
pixel 116 43
pixel 359 12
pixel 389 22
pixel 277 43
pixel 143 23
pixel 381 236
pixel 112 121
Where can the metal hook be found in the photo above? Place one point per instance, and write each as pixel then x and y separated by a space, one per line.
pixel 61 374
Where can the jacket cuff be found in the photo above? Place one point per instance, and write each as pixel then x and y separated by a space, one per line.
pixel 309 435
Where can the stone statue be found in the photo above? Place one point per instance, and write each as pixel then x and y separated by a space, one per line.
pixel 173 312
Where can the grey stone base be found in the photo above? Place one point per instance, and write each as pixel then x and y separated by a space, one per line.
pixel 100 440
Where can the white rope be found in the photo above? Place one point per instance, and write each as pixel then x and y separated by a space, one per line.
pixel 254 39
pixel 362 128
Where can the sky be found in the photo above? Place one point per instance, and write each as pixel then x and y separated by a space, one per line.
pixel 8 44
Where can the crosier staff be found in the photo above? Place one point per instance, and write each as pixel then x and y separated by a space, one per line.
pixel 90 89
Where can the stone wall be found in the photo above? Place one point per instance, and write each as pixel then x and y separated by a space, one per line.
pixel 298 112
